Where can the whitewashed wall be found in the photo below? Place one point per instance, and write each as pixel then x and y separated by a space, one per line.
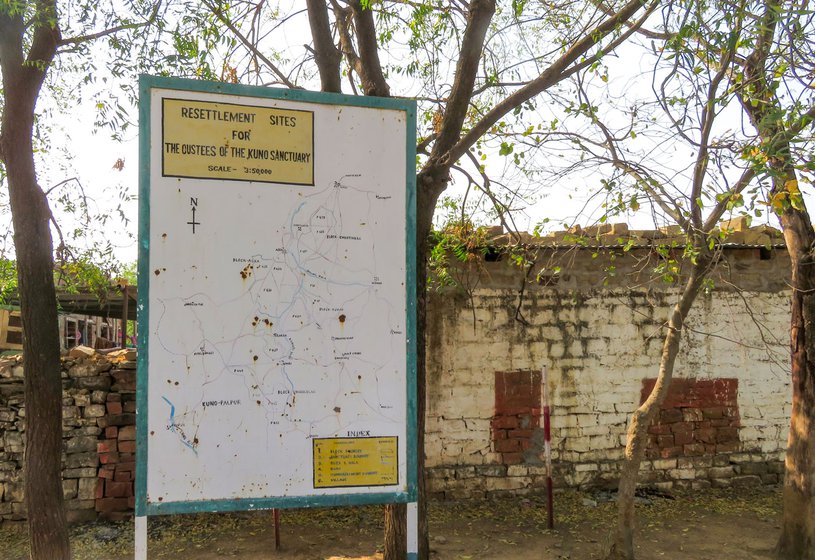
pixel 599 344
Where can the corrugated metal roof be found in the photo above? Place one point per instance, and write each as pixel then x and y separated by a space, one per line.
pixel 86 303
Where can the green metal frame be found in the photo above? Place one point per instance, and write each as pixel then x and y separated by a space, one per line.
pixel 148 83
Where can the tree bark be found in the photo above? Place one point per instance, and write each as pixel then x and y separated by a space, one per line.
pixel 370 69
pixel 757 96
pixel 429 188
pixel 22 80
pixel 395 531
pixel 621 541
pixel 797 540
pixel 326 54
pixel 431 181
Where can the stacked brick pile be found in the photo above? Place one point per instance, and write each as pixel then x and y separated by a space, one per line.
pixel 98 413
pixel 117 451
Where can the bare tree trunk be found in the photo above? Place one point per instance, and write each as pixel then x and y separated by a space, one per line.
pixel 428 191
pixel 757 96
pixel 22 79
pixel 797 541
pixel 326 54
pixel 395 531
pixel 430 183
pixel 621 545
pixel 425 206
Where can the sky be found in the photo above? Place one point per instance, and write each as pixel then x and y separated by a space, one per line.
pixel 95 155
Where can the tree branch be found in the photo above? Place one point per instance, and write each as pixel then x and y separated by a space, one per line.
pixel 373 80
pixel 708 116
pixel 660 36
pixel 478 21
pixel 656 193
pixel 326 54
pixel 93 36
pixel 342 17
pixel 721 207
pixel 500 208
pixel 556 72
pixel 44 42
pixel 25 74
pixel 248 44
pixel 421 147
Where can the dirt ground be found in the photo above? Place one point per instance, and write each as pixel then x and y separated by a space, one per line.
pixel 714 524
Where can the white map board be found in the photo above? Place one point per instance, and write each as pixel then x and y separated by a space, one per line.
pixel 275 299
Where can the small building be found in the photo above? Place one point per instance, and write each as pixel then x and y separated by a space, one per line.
pixel 84 319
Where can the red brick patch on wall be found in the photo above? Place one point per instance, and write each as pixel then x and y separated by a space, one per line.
pixel 517 413
pixel 698 417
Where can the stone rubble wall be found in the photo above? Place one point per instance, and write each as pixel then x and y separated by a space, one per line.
pixel 98 435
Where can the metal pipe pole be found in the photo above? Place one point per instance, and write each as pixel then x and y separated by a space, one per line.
pixel 125 313
pixel 547 449
pixel 276 514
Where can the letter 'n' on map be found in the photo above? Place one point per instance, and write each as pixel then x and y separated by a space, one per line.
pixel 349 462
pixel 225 141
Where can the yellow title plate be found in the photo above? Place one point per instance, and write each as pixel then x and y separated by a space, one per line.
pixel 206 140
pixel 344 462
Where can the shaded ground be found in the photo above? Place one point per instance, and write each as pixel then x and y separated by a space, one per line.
pixel 740 524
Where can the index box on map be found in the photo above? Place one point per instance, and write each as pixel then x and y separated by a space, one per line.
pixel 350 462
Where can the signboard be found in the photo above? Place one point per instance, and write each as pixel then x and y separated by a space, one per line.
pixel 212 140
pixel 276 299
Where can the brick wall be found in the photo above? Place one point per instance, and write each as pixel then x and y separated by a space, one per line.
pixel 600 337
pixel 698 417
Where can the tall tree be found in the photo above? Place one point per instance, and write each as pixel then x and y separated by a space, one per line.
pixel 769 77
pixel 716 60
pixel 707 63
pixel 23 71
pixel 692 194
pixel 31 37
pixel 774 84
pixel 476 67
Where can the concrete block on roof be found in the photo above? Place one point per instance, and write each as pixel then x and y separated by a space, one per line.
pixel 81 352
pixel 494 231
pixel 740 223
pixel 600 229
pixel 671 231
pixel 753 237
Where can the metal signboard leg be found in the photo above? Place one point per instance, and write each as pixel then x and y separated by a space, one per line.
pixel 412 530
pixel 141 538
